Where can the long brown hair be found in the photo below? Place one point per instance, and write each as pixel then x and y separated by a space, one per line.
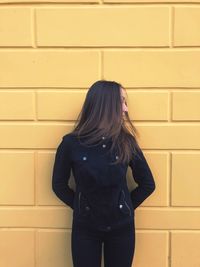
pixel 102 115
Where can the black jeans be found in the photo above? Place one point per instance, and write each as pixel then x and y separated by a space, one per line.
pixel 86 245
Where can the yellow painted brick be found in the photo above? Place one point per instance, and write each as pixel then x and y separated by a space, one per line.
pixel 52 1
pixel 16 105
pixel 154 245
pixel 186 26
pixel 144 105
pixel 185 179
pixel 120 26
pixel 44 192
pixel 17 183
pixel 48 68
pixel 166 68
pixel 17 248
pixel 186 105
pixel 95 1
pixel 185 248
pixel 57 217
pixel 62 103
pixel 158 136
pixel 147 1
pixel 15 27
pixel 32 135
pixel 167 218
pixel 54 248
pixel 169 136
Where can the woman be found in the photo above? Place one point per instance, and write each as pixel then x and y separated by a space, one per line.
pixel 98 151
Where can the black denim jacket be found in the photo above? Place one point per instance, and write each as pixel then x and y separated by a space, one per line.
pixel 102 198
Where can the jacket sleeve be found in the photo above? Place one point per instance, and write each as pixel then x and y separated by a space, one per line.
pixel 143 176
pixel 61 173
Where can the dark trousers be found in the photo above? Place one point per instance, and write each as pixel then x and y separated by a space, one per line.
pixel 118 244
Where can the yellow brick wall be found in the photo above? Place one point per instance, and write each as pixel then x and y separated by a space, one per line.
pixel 50 53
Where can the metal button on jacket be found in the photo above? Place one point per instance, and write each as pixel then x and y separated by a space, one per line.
pixel 105 200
